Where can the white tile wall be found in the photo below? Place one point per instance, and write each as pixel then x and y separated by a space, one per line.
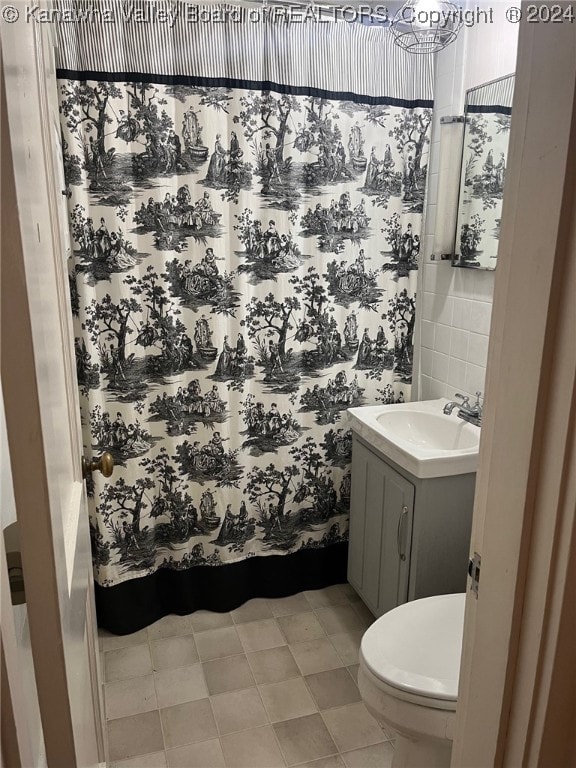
pixel 454 305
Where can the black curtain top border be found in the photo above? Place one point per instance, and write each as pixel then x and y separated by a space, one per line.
pixel 488 110
pixel 226 82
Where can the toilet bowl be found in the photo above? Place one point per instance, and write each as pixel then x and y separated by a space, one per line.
pixel 408 677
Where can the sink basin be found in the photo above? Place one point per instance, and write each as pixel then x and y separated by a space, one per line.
pixel 429 430
pixel 419 437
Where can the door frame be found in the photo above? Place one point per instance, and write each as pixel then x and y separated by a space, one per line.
pixel 516 705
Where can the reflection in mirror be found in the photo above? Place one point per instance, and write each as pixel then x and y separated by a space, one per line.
pixel 487 131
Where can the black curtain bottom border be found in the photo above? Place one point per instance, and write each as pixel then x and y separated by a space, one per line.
pixel 135 604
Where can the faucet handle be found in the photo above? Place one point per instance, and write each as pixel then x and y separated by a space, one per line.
pixel 478 396
pixel 464 398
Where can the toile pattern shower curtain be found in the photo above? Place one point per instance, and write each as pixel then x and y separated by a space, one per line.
pixel 245 208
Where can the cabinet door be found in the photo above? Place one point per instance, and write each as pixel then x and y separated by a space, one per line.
pixel 380 531
pixel 395 540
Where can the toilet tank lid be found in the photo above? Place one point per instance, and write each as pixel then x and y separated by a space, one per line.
pixel 417 646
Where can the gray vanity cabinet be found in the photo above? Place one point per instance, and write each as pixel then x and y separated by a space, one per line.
pixel 409 537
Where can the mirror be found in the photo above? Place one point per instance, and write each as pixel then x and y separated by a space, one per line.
pixel 488 112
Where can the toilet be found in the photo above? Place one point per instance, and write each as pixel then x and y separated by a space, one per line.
pixel 408 677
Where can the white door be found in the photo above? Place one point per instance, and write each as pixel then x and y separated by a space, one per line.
pixel 41 404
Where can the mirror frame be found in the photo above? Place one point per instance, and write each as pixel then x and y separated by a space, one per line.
pixel 474 109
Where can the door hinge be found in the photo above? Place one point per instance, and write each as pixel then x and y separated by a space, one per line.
pixel 474 572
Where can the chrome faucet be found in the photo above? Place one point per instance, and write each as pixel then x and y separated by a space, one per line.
pixel 470 413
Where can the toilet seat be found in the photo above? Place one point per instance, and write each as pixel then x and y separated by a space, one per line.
pixel 413 652
pixel 400 695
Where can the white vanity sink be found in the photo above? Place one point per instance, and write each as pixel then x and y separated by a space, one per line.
pixel 419 437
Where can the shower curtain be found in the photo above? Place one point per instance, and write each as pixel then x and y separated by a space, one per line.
pixel 245 197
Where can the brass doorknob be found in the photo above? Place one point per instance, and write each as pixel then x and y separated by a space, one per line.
pixel 104 464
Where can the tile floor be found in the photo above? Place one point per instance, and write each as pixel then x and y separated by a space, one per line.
pixel 272 683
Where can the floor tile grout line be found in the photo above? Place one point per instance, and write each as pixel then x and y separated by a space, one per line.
pixel 125 679
pixel 266 725
pixel 133 714
pixel 332 754
pixel 280 750
pixel 152 672
pixel 346 630
pixel 316 759
pixel 218 629
pixel 222 658
pixel 147 642
pixel 317 707
pixel 330 732
pixel 316 703
pixel 351 675
pixel 157 700
pixel 171 637
pixel 336 649
pixel 215 721
pixel 196 741
pixel 300 641
pixel 297 716
pixel 269 722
